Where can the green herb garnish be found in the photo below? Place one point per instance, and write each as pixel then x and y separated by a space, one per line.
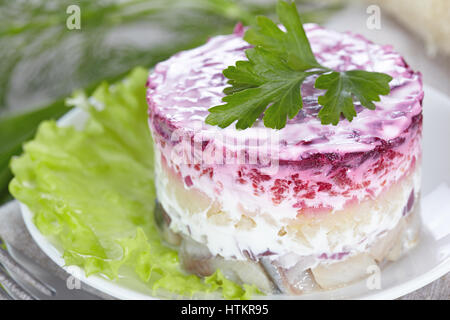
pixel 270 81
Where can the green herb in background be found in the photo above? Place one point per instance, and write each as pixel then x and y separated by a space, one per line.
pixel 40 57
pixel 41 60
pixel 270 81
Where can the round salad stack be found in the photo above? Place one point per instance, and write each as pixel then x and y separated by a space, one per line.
pixel 306 207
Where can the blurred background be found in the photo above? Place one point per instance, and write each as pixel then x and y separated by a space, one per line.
pixel 42 60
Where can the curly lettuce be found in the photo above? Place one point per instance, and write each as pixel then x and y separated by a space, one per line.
pixel 92 191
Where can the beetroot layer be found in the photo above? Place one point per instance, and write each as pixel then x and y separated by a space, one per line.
pixel 183 88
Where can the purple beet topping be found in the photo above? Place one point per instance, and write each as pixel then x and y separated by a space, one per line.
pixel 181 90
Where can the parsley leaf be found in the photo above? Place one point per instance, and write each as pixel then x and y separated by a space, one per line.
pixel 342 86
pixel 261 80
pixel 291 46
pixel 272 75
pixel 269 82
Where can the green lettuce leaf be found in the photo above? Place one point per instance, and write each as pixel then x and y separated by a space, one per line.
pixel 92 192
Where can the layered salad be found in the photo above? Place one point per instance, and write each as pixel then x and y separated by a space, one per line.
pixel 309 206
pixel 280 159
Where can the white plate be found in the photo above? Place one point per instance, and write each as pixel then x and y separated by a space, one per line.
pixel 424 264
